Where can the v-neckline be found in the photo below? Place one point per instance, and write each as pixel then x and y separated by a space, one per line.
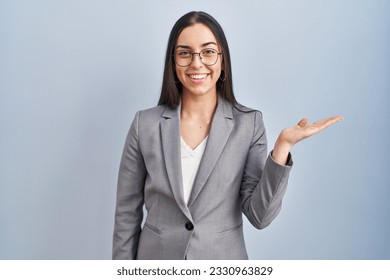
pixel 197 149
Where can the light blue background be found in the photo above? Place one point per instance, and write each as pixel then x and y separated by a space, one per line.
pixel 73 73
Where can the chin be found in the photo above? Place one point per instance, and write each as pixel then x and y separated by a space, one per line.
pixel 199 92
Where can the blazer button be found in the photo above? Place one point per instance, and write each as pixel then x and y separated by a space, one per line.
pixel 189 226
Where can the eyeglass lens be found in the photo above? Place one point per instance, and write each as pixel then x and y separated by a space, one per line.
pixel 208 57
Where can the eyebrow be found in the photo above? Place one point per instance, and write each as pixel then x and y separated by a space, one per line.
pixel 203 45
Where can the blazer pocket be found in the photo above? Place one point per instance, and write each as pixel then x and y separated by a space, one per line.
pixel 229 230
pixel 152 228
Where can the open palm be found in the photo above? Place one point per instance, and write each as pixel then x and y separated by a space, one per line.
pixel 303 130
pixel 292 135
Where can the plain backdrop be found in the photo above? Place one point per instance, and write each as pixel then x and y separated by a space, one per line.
pixel 73 73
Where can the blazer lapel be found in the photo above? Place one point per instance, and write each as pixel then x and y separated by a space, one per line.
pixel 221 127
pixel 170 135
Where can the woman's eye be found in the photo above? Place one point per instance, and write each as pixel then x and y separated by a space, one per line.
pixel 209 52
pixel 183 53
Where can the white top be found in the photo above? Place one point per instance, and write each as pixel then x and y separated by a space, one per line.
pixel 190 160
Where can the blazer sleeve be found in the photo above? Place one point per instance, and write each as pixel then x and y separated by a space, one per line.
pixel 130 197
pixel 264 181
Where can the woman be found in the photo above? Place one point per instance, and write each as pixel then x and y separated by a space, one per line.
pixel 199 159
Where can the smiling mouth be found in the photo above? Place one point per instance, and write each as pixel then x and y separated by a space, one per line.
pixel 198 76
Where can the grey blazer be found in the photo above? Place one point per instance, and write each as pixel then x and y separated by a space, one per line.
pixel 235 176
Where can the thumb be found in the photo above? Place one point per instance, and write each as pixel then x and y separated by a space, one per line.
pixel 303 122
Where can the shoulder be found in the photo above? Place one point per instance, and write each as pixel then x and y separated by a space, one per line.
pixel 239 112
pixel 245 118
pixel 252 120
pixel 154 112
pixel 151 115
pixel 240 109
pixel 247 114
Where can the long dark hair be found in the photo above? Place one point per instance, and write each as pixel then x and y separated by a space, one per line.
pixel 171 87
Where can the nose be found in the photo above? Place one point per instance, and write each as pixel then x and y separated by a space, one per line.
pixel 196 60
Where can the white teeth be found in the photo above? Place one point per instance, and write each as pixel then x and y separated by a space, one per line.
pixel 198 77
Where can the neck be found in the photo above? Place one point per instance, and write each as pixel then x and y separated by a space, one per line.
pixel 199 106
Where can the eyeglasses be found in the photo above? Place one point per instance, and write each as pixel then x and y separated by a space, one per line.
pixel 208 57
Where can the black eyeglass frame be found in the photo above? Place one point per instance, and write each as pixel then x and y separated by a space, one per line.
pixel 200 57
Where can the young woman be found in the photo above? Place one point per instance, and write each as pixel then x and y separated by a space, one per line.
pixel 199 159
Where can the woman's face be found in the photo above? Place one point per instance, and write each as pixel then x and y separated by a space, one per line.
pixel 198 78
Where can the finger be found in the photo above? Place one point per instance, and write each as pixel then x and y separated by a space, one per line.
pixel 328 121
pixel 303 122
pixel 322 124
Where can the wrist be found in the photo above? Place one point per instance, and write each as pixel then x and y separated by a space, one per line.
pixel 282 145
pixel 281 151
